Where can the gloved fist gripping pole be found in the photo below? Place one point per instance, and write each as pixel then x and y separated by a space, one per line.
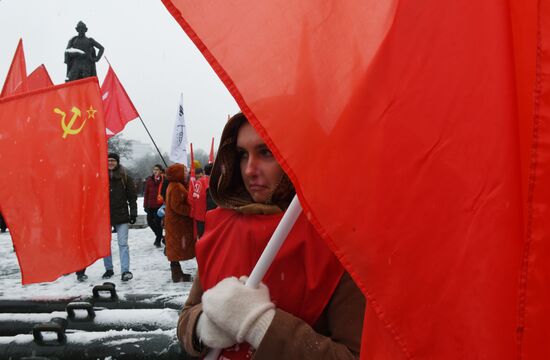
pixel 252 325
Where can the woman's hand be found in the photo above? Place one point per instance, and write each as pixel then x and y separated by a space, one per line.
pixel 212 335
pixel 243 312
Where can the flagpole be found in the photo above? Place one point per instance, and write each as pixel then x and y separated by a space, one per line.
pixel 269 253
pixel 142 123
pixel 153 141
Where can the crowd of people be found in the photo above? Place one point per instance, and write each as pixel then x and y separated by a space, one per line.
pixel 306 307
pixel 167 201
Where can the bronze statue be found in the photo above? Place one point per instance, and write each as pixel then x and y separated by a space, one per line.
pixel 80 55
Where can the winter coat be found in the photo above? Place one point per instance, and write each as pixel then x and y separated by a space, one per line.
pixel 342 319
pixel 122 194
pixel 180 242
pixel 151 192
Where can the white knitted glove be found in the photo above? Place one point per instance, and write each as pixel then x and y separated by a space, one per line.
pixel 212 335
pixel 243 312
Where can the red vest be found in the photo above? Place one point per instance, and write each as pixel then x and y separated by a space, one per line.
pixel 301 280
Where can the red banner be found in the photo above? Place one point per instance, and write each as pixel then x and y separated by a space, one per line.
pixel 442 219
pixel 55 187
pixel 118 107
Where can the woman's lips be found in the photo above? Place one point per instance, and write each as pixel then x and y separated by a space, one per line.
pixel 256 187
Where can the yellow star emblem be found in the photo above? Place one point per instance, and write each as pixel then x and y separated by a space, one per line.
pixel 91 112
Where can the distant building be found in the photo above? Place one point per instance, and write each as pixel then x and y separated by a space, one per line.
pixel 139 150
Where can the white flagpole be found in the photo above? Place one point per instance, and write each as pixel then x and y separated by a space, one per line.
pixel 269 253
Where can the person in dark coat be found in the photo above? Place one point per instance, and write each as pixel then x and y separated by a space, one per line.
pixel 153 200
pixel 122 195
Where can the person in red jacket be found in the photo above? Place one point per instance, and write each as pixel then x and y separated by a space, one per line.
pixel 200 187
pixel 152 201
pixel 307 307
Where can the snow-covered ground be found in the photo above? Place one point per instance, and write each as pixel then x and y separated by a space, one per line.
pixel 150 267
pixel 152 280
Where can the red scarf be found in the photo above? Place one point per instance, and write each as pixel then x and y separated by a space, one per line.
pixel 160 199
pixel 302 278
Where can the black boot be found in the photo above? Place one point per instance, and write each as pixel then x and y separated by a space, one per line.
pixel 177 274
pixel 157 241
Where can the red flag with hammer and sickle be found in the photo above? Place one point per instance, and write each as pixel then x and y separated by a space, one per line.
pixel 55 187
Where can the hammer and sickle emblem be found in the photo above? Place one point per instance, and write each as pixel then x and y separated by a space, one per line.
pixel 68 128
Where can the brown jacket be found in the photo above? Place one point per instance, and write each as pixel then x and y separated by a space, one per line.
pixel 180 242
pixel 335 335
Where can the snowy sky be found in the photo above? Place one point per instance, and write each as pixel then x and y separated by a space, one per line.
pixel 152 56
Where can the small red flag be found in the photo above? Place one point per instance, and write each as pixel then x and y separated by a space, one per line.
pixel 15 82
pixel 190 191
pixel 39 79
pixel 190 198
pixel 55 187
pixel 117 105
pixel 211 156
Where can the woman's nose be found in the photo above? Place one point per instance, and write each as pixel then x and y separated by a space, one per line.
pixel 251 166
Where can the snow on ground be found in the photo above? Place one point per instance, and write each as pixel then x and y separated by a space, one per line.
pixel 115 333
pixel 150 267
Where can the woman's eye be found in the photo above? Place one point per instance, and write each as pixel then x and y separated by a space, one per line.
pixel 242 155
pixel 266 153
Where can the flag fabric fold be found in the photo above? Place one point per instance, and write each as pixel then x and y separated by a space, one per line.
pixel 15 82
pixel 441 216
pixel 531 35
pixel 119 109
pixel 55 186
pixel 178 149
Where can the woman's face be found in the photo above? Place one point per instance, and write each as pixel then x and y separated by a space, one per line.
pixel 260 171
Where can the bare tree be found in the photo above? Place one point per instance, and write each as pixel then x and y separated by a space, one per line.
pixel 143 168
pixel 121 146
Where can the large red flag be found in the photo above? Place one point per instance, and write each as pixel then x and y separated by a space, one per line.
pixel 15 80
pixel 39 79
pixel 442 220
pixel 117 105
pixel 55 187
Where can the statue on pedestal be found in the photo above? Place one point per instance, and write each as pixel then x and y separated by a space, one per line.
pixel 80 55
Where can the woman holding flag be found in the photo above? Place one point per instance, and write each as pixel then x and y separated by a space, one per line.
pixel 307 307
